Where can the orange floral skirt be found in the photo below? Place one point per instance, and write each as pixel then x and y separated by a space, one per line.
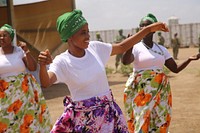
pixel 22 106
pixel 148 102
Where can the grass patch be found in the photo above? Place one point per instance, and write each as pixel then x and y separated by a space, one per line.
pixel 109 70
pixel 126 69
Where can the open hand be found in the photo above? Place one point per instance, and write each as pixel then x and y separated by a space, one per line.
pixel 195 57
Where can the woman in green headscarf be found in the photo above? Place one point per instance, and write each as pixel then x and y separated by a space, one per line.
pixel 91 107
pixel 22 105
pixel 147 96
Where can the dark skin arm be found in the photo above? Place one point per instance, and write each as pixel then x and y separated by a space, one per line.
pixel 172 66
pixel 29 60
pixel 128 57
pixel 170 63
pixel 46 78
pixel 120 48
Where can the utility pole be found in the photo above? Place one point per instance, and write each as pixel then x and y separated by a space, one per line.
pixel 10 11
pixel 11 17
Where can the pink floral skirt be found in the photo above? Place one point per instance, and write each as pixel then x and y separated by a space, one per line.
pixel 95 115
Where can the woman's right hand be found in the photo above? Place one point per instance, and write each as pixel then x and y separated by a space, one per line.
pixel 45 58
pixel 158 26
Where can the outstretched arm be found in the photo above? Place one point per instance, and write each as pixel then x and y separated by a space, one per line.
pixel 172 66
pixel 120 48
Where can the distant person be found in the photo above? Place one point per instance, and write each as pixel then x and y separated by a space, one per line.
pixel 175 46
pixel 148 96
pixel 161 39
pixel 91 107
pixel 137 29
pixel 98 37
pixel 119 38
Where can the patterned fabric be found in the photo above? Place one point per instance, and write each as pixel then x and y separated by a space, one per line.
pixel 23 108
pixel 148 102
pixel 69 23
pixel 94 115
pixel 149 17
pixel 9 29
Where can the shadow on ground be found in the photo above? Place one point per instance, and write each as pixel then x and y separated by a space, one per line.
pixel 56 90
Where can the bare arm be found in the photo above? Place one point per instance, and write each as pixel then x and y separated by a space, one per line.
pixel 29 60
pixel 128 57
pixel 46 78
pixel 172 66
pixel 120 48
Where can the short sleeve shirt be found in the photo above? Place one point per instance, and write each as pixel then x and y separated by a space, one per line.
pixel 145 58
pixel 85 76
pixel 12 64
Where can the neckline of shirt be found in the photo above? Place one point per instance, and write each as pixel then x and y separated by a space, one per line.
pixel 78 58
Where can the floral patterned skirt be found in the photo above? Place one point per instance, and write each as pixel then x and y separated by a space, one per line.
pixel 148 102
pixel 22 106
pixel 95 115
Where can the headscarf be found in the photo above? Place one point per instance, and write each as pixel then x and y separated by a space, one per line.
pixel 69 23
pixel 9 29
pixel 97 34
pixel 149 17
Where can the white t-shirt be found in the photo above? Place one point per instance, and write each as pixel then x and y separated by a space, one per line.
pixel 85 76
pixel 12 64
pixel 149 59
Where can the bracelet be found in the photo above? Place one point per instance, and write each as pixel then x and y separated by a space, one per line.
pixel 27 52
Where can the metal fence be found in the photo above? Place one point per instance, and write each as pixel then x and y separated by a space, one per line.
pixel 187 33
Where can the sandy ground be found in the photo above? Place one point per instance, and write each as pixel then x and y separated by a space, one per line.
pixel 185 90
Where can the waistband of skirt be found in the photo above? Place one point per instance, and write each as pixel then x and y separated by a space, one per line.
pixel 3 76
pixel 148 70
pixel 89 104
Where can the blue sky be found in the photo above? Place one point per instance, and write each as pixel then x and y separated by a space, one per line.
pixel 126 14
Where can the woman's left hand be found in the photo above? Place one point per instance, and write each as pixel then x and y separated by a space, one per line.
pixel 158 26
pixel 195 57
pixel 23 46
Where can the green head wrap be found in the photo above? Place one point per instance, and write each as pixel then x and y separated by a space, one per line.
pixel 69 23
pixel 9 29
pixel 149 17
pixel 98 34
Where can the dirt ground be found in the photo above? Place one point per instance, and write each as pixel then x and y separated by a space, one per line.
pixel 185 90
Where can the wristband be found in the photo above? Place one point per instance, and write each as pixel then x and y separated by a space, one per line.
pixel 27 52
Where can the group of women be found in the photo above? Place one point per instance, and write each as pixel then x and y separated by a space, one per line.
pixel 91 106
